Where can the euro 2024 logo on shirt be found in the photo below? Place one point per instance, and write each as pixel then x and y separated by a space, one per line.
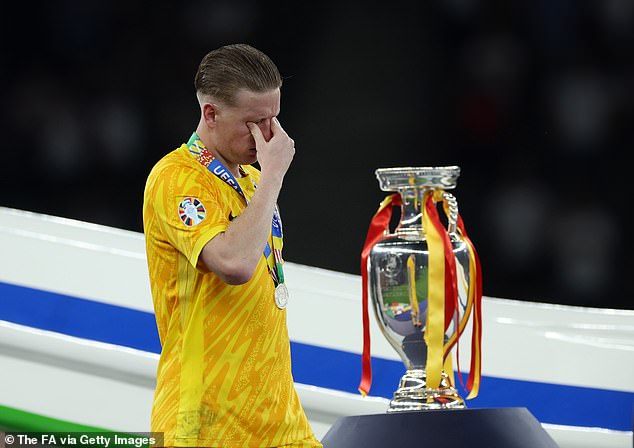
pixel 191 211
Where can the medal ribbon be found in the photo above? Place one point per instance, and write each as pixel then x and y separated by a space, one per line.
pixel 273 256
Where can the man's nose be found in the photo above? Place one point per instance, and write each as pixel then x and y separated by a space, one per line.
pixel 265 127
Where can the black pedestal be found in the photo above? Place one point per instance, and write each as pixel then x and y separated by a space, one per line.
pixel 460 428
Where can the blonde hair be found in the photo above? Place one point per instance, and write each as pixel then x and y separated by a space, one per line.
pixel 225 71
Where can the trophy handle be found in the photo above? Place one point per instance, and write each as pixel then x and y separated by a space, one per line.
pixel 452 213
pixel 450 207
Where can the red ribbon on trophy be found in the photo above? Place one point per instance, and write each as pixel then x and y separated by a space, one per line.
pixel 443 307
pixel 378 226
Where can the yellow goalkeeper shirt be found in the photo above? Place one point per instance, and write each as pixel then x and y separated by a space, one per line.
pixel 224 375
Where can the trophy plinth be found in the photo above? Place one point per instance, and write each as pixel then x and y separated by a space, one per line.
pixel 459 428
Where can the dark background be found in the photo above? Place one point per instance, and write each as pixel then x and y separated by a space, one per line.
pixel 533 100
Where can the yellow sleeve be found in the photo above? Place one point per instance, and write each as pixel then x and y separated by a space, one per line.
pixel 188 208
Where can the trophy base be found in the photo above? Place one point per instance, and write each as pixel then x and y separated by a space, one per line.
pixel 414 395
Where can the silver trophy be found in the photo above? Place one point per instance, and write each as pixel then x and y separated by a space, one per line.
pixel 398 276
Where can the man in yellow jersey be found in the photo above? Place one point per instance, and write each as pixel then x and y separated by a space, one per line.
pixel 214 240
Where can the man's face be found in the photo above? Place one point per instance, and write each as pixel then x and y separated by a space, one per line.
pixel 233 140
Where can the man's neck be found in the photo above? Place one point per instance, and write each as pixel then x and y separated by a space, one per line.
pixel 233 168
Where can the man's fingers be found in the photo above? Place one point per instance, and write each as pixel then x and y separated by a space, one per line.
pixel 256 132
pixel 276 127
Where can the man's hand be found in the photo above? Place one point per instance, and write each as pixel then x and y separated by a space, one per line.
pixel 274 156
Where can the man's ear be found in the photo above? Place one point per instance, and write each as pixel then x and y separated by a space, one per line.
pixel 209 112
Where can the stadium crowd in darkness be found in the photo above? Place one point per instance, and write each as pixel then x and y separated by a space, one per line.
pixel 533 100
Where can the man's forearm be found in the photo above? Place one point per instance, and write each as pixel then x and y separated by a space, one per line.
pixel 235 254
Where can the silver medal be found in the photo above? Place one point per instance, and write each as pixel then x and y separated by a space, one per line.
pixel 281 296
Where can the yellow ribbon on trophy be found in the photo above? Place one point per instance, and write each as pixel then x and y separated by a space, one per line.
pixel 443 300
pixel 435 324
